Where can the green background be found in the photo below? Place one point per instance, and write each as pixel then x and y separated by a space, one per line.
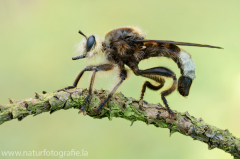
pixel 36 46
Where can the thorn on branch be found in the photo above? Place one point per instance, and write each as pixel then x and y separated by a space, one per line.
pixel 10 101
pixel 36 95
pixel 56 97
pixel 47 105
pixel 132 122
pixel 10 116
pixel 26 105
pixel 20 118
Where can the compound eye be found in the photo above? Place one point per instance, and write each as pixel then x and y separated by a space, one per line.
pixel 90 42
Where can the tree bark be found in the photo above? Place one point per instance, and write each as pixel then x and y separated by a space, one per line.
pixel 127 108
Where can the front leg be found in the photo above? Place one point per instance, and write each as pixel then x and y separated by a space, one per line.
pixel 88 68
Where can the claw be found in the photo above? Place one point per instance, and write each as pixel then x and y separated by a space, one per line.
pixel 61 90
pixel 96 110
pixel 83 106
pixel 171 114
pixel 141 102
pixel 80 111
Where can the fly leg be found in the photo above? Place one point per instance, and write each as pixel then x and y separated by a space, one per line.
pixel 162 71
pixel 95 69
pixel 105 67
pixel 123 76
pixel 88 68
pixel 155 73
pixel 151 86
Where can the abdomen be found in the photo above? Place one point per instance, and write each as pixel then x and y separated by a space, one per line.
pixel 180 56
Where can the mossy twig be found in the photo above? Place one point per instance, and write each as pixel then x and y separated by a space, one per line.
pixel 127 108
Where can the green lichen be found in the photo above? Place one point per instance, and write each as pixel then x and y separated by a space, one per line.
pixel 127 108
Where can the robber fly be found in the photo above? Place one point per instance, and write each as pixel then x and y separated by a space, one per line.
pixel 128 46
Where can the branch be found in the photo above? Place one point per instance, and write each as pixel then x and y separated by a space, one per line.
pixel 127 108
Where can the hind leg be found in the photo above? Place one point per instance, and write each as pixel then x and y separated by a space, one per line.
pixel 156 72
pixel 167 92
pixel 161 71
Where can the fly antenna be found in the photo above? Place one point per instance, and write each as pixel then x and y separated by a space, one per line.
pixel 80 32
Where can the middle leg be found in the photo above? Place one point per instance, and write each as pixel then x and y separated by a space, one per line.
pixel 105 67
pixel 123 76
pixel 151 86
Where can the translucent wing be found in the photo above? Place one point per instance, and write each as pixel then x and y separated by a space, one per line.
pixel 178 43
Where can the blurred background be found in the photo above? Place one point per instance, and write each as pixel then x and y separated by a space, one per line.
pixel 37 41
